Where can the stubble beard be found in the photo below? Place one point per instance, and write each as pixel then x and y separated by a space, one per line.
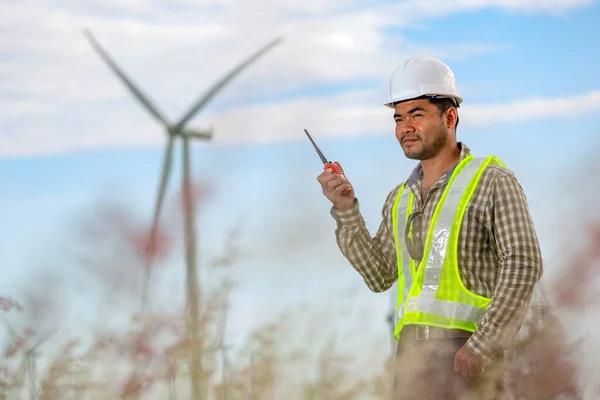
pixel 427 152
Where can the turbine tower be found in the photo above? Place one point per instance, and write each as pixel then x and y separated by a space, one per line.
pixel 173 131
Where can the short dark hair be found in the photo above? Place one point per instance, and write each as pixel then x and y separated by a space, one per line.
pixel 443 104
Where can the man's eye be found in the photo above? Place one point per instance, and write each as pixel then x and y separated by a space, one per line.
pixel 418 115
pixel 398 121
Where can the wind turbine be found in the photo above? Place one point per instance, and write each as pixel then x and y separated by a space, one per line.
pixel 28 365
pixel 179 129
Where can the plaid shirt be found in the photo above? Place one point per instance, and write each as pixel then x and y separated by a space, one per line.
pixel 498 254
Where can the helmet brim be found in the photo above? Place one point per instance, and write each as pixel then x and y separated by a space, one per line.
pixel 392 103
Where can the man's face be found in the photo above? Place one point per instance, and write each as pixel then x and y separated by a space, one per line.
pixel 420 129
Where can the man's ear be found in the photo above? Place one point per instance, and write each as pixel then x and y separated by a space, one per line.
pixel 451 117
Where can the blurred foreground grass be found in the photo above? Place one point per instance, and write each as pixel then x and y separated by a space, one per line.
pixel 147 357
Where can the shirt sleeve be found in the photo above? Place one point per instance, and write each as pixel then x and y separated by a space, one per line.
pixel 373 257
pixel 515 243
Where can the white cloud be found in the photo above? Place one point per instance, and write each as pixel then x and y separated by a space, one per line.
pixel 362 114
pixel 57 95
pixel 550 6
pixel 358 113
pixel 535 108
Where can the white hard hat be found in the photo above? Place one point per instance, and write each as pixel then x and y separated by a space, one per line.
pixel 422 76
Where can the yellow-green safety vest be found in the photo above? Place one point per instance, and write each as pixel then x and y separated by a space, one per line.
pixel 433 294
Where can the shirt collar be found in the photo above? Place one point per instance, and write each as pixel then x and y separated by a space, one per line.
pixel 417 172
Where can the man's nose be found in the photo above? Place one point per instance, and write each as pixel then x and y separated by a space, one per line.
pixel 406 128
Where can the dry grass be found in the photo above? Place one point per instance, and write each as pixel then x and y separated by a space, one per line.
pixel 149 358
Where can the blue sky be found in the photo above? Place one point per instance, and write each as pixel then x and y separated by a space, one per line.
pixel 71 134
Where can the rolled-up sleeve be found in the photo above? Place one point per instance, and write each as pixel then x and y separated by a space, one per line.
pixel 374 258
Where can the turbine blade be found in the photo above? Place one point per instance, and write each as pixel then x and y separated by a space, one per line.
pixel 198 134
pixel 137 93
pixel 168 160
pixel 40 341
pixel 152 239
pixel 219 85
pixel 9 329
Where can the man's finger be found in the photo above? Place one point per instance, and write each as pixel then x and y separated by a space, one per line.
pixel 474 368
pixel 342 187
pixel 325 176
pixel 456 364
pixel 334 182
pixel 464 368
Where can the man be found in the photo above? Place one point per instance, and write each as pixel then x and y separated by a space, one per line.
pixel 458 238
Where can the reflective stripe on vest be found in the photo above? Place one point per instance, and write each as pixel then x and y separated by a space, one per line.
pixel 434 294
pixel 405 275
